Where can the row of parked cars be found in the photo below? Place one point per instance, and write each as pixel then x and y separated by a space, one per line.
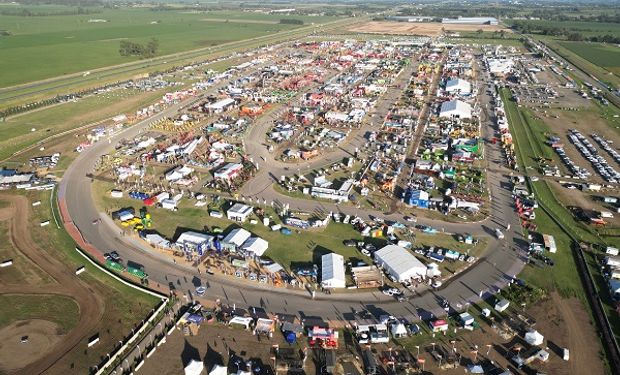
pixel 605 145
pixel 589 151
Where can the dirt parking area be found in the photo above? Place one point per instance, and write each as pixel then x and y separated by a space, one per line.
pixel 422 28
pixel 216 344
pixel 42 337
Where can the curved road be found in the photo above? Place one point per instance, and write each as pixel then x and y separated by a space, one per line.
pixel 492 271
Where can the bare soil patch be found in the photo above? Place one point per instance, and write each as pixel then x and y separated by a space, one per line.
pixel 42 337
pixel 91 305
pixel 422 28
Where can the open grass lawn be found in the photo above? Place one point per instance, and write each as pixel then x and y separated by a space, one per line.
pixel 471 40
pixel 604 55
pixel 16 133
pixel 61 310
pixel 303 247
pixel 23 271
pixel 563 276
pixel 57 45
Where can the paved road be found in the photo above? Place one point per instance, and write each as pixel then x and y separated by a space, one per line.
pixel 492 271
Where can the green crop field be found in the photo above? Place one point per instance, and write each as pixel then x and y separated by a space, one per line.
pixel 604 55
pixel 585 28
pixel 54 45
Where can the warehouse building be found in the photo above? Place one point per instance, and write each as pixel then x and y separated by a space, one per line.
pixel 470 21
pixel 399 263
pixel 458 86
pixel 455 109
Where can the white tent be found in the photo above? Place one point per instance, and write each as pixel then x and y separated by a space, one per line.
pixel 219 370
pixel 237 236
pixel 194 367
pixel 399 263
pixel 255 245
pixel 455 108
pixel 332 271
pixel 457 85
pixel 244 321
pixel 534 338
pixel 399 330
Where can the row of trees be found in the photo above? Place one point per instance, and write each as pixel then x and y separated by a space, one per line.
pixel 569 33
pixel 144 51
pixel 607 38
pixel 559 16
pixel 291 21
pixel 31 13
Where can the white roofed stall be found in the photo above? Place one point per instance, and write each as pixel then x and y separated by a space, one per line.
pixel 256 246
pixel 399 263
pixel 332 271
pixel 455 108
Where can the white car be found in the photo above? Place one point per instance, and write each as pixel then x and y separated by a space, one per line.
pixel 201 290
pixel 411 219
pixel 216 214
pixel 436 283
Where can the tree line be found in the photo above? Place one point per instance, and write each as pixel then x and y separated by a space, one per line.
pixel 569 33
pixel 31 13
pixel 291 21
pixel 144 51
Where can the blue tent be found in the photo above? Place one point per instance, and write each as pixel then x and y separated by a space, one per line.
pixel 417 198
pixel 217 245
pixel 290 337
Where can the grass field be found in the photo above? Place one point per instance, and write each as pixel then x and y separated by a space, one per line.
pixel 73 44
pixel 582 63
pixel 23 271
pixel 585 28
pixel 603 55
pixel 16 133
pixel 58 309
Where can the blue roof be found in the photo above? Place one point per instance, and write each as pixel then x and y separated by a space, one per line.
pixel 8 172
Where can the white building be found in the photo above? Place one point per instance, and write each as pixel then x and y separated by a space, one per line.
pixel 339 195
pixel 471 20
pixel 399 263
pixel 193 240
pixel 239 212
pixel 500 66
pixel 228 172
pixel 256 246
pixel 455 109
pixel 458 86
pixel 220 105
pixel 332 271
pixel 237 237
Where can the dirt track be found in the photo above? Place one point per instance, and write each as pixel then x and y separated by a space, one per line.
pixel 68 284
